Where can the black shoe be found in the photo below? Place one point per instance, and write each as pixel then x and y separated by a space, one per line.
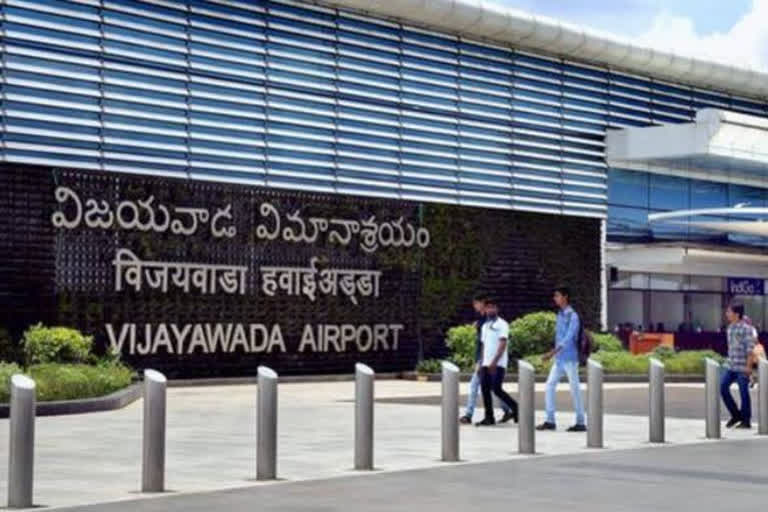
pixel 485 423
pixel 465 420
pixel 509 415
pixel 744 425
pixel 577 428
pixel 732 423
pixel 547 426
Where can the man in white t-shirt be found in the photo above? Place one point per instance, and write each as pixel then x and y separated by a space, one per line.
pixel 495 333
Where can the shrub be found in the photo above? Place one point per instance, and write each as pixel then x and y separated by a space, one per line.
pixel 7 370
pixel 462 341
pixel 430 366
pixel 55 345
pixel 70 381
pixel 690 361
pixel 532 334
pixel 622 362
pixel 607 342
pixel 663 353
pixel 541 366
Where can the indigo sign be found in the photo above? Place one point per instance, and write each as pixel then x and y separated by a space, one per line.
pixel 745 286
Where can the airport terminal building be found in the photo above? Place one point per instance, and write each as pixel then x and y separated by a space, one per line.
pixel 211 185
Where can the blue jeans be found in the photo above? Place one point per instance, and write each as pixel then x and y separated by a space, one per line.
pixel 560 368
pixel 474 389
pixel 729 377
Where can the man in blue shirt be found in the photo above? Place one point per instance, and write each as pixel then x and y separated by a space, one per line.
pixel 566 354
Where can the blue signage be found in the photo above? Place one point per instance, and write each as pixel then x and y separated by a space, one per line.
pixel 746 286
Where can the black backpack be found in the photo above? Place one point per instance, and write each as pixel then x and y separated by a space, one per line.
pixel 584 343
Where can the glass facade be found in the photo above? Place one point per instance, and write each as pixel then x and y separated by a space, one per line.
pixel 285 94
pixel 673 302
pixel 632 196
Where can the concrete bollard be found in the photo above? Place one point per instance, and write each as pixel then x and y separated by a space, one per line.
pixel 595 404
pixel 713 399
pixel 526 383
pixel 21 453
pixel 266 425
pixel 763 397
pixel 450 410
pixel 656 401
pixel 153 444
pixel 364 377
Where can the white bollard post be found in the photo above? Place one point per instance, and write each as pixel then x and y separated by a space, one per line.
pixel 364 377
pixel 153 446
pixel 450 411
pixel 656 401
pixel 21 453
pixel 595 405
pixel 763 397
pixel 713 399
pixel 526 383
pixel 266 425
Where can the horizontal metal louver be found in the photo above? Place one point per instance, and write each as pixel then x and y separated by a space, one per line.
pixel 290 95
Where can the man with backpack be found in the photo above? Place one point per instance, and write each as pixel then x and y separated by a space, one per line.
pixel 567 351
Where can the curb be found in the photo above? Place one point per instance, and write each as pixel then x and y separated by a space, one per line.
pixel 295 379
pixel 614 378
pixel 116 400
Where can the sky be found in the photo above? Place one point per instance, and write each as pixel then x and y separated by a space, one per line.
pixel 729 31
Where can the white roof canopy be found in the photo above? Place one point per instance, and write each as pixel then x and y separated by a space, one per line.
pixel 684 260
pixel 482 19
pixel 717 140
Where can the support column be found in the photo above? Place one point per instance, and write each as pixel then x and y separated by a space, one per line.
pixel 266 435
pixel 595 404
pixel 21 453
pixel 450 410
pixel 526 382
pixel 656 401
pixel 153 446
pixel 364 377
pixel 713 399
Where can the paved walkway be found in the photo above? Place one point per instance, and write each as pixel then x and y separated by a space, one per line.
pixel 211 440
pixel 714 477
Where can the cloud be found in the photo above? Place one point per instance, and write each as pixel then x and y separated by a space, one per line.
pixel 744 44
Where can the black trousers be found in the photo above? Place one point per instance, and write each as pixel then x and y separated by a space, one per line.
pixel 492 383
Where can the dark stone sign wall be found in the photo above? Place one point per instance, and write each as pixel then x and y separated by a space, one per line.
pixel 205 279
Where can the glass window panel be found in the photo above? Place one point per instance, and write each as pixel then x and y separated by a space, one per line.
pixel 625 307
pixel 667 311
pixel 670 282
pixel 747 196
pixel 705 284
pixel 706 311
pixel 627 223
pixel 628 188
pixel 668 192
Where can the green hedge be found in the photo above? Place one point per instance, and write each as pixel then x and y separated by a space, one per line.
pixel 607 342
pixel 462 341
pixel 7 370
pixel 55 345
pixel 532 334
pixel 70 381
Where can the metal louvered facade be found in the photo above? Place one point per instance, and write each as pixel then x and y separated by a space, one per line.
pixel 288 95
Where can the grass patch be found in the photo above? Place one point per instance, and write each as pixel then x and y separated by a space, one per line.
pixel 69 381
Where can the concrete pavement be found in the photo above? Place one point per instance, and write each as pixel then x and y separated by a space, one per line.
pixel 711 477
pixel 94 458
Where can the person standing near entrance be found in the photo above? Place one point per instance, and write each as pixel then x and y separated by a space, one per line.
pixel 478 303
pixel 741 343
pixel 495 334
pixel 566 354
